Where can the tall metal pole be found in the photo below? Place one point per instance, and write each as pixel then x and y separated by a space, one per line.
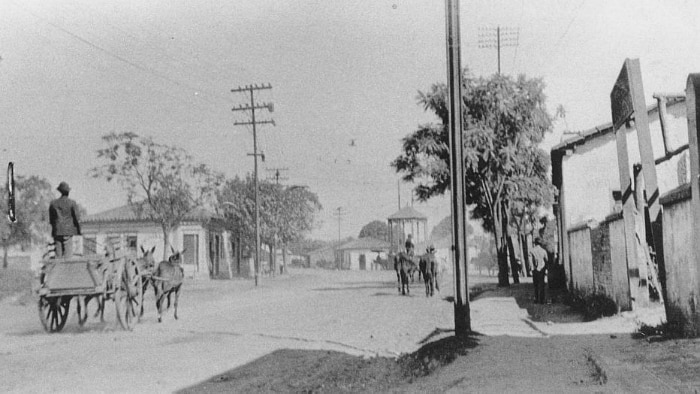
pixel 253 122
pixel 459 233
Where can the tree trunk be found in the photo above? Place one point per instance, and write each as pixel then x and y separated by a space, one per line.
pixel 501 246
pixel 514 260
pixel 525 252
pixel 284 259
pixel 273 257
pixel 239 254
pixel 502 259
pixel 166 241
pixel 5 264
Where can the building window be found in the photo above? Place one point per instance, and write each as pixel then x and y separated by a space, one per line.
pixel 132 244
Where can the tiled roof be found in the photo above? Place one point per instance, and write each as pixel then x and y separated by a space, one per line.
pixel 366 243
pixel 585 136
pixel 129 213
pixel 408 213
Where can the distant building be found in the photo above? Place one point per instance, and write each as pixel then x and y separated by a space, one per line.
pixel 201 234
pixel 360 254
pixel 404 222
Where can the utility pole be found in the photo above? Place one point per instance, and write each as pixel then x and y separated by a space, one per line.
pixel 459 221
pixel 252 107
pixel 398 186
pixel 497 38
pixel 276 174
pixel 339 213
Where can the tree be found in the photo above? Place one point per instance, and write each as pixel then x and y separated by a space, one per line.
pixel 486 254
pixel 32 199
pixel 375 229
pixel 286 213
pixel 162 182
pixel 444 229
pixel 505 171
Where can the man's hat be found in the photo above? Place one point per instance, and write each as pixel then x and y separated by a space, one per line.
pixel 539 241
pixel 63 187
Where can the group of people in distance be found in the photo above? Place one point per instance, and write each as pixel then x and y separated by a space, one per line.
pixel 539 259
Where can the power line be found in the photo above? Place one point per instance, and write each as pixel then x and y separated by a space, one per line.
pixel 498 37
pixel 145 69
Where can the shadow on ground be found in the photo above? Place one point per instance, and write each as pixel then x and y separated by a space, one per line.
pixel 319 371
pixel 357 286
pixel 555 311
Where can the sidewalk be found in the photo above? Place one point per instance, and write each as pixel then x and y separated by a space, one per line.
pixel 624 363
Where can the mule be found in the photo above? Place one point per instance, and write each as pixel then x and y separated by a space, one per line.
pixel 167 279
pixel 403 265
pixel 429 268
pixel 146 264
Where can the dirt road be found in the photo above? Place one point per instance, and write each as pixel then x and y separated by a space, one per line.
pixel 258 336
pixel 222 325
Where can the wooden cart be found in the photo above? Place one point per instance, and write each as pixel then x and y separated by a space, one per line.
pixel 104 278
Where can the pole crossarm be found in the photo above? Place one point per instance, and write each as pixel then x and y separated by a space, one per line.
pixel 246 107
pixel 272 122
pixel 247 88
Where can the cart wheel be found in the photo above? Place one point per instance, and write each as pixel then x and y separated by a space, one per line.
pixel 129 296
pixel 53 312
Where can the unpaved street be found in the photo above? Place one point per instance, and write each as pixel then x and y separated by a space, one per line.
pixel 227 324
pixel 223 324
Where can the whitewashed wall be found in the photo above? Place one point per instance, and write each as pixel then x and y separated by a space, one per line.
pixel 591 173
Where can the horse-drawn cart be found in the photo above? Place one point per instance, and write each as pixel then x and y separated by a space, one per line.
pixel 89 277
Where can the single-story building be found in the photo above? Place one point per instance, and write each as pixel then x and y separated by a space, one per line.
pixel 201 234
pixel 360 254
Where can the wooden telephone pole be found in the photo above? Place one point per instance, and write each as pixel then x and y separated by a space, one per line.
pixel 459 222
pixel 252 107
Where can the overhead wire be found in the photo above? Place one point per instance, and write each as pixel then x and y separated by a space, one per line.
pixel 557 46
pixel 165 52
pixel 120 58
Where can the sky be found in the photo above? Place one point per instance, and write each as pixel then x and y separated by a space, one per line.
pixel 344 76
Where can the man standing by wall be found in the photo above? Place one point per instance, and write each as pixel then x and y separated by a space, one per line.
pixel 539 267
pixel 65 222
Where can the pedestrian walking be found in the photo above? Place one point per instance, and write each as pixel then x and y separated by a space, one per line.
pixel 65 222
pixel 539 268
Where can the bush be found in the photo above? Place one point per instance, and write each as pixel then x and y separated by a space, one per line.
pixel 299 263
pixel 592 306
pixel 326 264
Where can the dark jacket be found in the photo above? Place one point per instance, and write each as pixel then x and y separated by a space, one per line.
pixel 64 217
